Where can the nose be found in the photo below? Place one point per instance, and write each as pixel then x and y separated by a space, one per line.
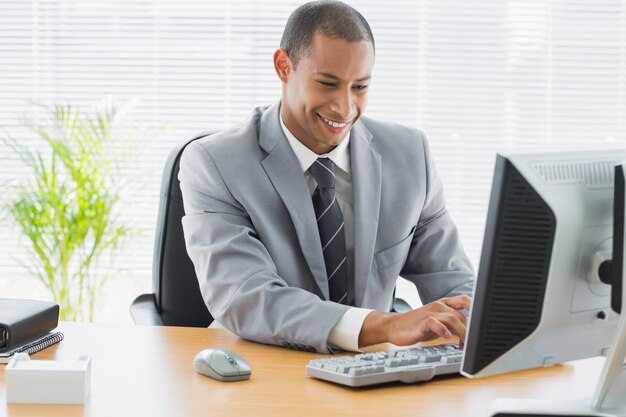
pixel 343 104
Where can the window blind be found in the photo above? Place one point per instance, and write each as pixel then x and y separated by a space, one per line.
pixel 474 75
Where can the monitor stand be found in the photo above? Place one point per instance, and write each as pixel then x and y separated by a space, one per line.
pixel 609 399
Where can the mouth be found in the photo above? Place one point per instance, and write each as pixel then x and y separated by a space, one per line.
pixel 335 126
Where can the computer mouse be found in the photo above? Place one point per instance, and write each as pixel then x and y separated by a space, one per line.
pixel 221 364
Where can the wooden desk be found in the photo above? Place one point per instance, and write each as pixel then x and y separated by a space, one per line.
pixel 147 371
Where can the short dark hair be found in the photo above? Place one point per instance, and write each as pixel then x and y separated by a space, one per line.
pixel 332 19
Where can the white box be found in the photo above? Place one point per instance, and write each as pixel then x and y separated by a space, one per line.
pixel 47 382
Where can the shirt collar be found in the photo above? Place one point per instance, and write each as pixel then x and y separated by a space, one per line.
pixel 306 157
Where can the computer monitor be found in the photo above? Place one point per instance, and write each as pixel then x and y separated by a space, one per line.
pixel 543 291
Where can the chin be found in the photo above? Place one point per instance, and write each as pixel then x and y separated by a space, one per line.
pixel 332 141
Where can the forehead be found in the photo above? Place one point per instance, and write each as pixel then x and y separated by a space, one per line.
pixel 347 60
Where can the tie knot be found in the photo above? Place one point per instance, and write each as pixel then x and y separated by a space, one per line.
pixel 323 170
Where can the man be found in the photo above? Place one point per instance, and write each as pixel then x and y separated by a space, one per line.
pixel 300 219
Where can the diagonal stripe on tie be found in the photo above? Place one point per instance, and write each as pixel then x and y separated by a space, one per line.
pixel 331 228
pixel 327 208
pixel 337 269
pixel 333 237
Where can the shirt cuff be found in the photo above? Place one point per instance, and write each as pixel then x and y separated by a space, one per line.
pixel 345 334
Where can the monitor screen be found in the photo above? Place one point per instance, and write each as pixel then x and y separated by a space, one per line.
pixel 543 290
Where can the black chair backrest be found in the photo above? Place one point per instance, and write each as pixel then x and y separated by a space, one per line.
pixel 176 290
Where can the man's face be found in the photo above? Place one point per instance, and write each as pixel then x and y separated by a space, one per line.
pixel 326 94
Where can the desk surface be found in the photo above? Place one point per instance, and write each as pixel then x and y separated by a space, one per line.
pixel 147 371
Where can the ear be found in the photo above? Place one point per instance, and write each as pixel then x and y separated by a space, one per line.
pixel 282 64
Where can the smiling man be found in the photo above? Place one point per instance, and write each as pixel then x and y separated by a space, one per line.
pixel 300 219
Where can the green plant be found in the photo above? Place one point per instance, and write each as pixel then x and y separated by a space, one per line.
pixel 67 210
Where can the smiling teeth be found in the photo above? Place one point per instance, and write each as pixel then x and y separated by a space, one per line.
pixel 334 124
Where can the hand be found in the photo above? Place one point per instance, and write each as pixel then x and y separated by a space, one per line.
pixel 440 318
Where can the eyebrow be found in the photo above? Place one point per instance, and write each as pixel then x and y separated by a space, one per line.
pixel 334 77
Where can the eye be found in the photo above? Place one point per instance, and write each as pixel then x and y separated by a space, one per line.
pixel 360 87
pixel 326 84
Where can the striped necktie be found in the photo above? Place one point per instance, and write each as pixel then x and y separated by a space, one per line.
pixel 331 229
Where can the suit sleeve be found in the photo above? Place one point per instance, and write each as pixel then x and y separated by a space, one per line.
pixel 437 263
pixel 237 277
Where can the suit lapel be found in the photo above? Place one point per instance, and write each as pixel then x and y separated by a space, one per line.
pixel 366 183
pixel 285 173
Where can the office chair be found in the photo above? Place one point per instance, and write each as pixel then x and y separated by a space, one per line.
pixel 177 300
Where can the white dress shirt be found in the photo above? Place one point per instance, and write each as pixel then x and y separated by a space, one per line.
pixel 345 334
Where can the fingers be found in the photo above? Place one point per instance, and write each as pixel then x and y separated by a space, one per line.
pixel 440 318
pixel 455 325
pixel 442 307
pixel 445 313
pixel 426 324
pixel 459 302
pixel 433 326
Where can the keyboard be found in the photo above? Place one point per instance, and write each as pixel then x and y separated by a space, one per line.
pixel 405 365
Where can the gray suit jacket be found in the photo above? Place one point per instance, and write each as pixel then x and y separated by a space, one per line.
pixel 251 233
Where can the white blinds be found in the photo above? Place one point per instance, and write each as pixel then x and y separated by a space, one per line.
pixel 475 75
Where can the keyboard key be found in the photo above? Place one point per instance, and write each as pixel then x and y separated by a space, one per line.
pixel 430 358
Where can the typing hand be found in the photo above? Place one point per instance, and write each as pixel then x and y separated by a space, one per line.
pixel 440 318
